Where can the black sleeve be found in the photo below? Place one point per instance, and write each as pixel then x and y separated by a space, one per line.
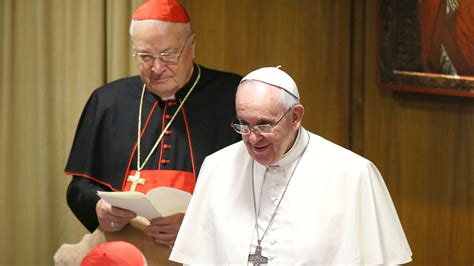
pixel 82 198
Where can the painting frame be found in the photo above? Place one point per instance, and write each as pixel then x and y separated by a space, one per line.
pixel 401 64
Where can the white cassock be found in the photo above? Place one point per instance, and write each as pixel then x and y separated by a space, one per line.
pixel 336 210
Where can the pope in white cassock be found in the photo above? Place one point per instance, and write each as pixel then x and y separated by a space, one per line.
pixel 284 195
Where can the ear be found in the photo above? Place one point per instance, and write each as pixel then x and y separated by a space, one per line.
pixel 297 116
pixel 193 45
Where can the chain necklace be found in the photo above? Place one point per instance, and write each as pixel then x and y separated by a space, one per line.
pixel 257 257
pixel 136 179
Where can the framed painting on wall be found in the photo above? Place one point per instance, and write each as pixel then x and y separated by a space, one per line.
pixel 427 46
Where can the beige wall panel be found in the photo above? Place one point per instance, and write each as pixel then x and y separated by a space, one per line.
pixel 310 39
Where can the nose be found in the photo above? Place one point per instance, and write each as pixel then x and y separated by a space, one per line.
pixel 254 137
pixel 157 65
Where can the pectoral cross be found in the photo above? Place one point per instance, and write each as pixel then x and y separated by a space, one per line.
pixel 257 257
pixel 135 179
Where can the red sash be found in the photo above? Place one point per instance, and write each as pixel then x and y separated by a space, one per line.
pixel 163 178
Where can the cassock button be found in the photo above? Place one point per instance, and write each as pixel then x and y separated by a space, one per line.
pixel 168 132
pixel 163 161
pixel 171 103
pixel 166 146
pixel 167 116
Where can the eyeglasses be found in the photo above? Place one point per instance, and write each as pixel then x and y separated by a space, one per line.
pixel 244 129
pixel 164 57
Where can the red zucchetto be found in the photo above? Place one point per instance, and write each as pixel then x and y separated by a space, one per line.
pixel 114 253
pixel 164 10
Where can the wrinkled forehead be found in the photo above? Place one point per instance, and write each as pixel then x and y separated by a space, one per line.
pixel 257 96
pixel 154 36
pixel 253 89
pixel 158 28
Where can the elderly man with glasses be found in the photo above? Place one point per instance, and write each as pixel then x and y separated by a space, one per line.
pixel 151 130
pixel 285 196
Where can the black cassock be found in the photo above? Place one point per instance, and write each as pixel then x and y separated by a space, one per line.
pixel 104 148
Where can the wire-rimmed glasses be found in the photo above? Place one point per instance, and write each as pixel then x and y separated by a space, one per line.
pixel 164 57
pixel 245 129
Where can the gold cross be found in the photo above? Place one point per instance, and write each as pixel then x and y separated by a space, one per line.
pixel 135 179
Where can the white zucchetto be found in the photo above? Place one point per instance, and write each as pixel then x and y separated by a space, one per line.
pixel 275 77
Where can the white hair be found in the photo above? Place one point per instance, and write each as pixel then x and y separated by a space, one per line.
pixel 285 99
pixel 186 26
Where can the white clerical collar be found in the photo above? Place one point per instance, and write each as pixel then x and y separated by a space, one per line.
pixel 295 151
pixel 172 97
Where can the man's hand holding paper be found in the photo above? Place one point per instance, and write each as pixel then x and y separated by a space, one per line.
pixel 112 219
pixel 165 229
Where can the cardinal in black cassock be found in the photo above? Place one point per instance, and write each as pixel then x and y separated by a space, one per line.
pixel 104 152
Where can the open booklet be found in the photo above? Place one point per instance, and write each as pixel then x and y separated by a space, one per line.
pixel 159 201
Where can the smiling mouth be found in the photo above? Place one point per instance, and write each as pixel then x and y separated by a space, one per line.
pixel 261 148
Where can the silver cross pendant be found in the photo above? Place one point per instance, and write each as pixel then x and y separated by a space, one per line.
pixel 257 257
